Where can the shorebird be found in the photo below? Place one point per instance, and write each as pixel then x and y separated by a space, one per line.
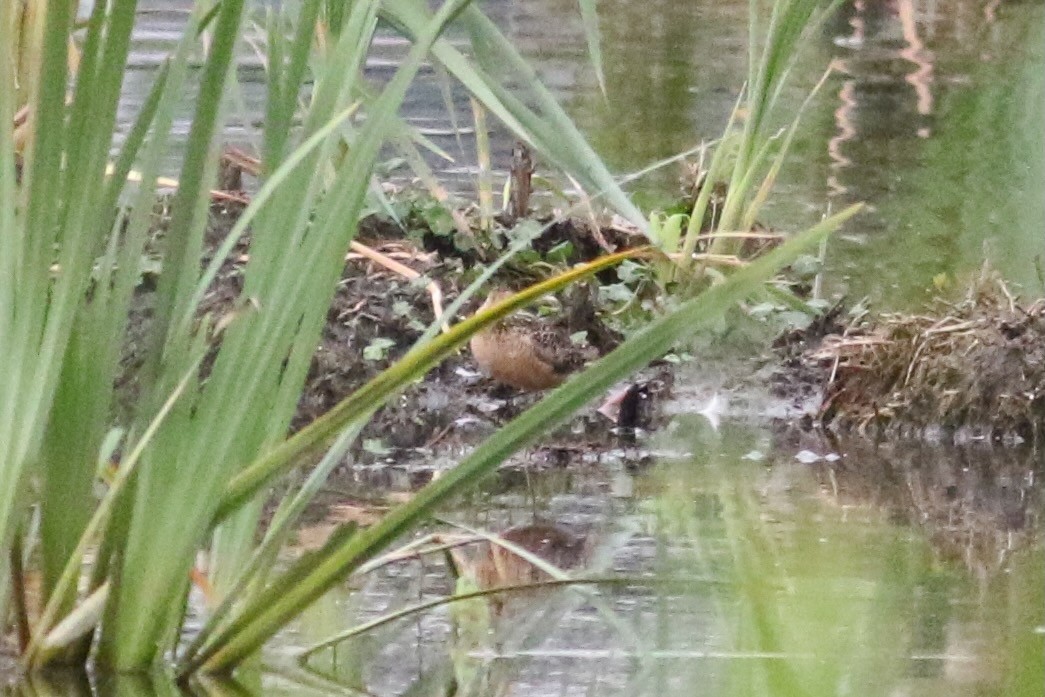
pixel 525 352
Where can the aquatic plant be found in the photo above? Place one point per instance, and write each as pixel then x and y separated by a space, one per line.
pixel 747 160
pixel 207 436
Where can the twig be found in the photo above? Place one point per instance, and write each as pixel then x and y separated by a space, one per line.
pixel 593 223
pixel 708 258
pixel 1008 296
pixel 18 593
pixel 403 270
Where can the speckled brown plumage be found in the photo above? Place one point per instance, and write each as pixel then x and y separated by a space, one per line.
pixel 525 352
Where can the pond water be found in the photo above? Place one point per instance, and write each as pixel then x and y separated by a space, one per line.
pixel 754 562
pixel 933 117
pixel 748 572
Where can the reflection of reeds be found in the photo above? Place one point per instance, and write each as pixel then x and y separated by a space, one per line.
pixel 977 511
pixel 849 98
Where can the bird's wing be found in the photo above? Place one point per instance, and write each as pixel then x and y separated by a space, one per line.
pixel 556 349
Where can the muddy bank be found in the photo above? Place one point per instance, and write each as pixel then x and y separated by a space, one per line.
pixel 956 372
pixel 377 315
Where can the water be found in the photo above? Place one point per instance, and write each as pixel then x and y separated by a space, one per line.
pixel 896 570
pixel 899 570
pixel 932 118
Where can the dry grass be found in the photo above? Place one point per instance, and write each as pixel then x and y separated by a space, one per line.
pixel 974 369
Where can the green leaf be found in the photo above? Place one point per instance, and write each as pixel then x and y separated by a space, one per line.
pixel 377 349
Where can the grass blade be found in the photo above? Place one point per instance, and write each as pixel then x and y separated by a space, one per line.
pixel 590 18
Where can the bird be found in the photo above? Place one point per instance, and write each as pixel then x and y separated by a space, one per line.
pixel 525 352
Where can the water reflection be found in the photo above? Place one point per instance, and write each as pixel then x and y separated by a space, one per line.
pixel 929 130
pixel 748 576
pixel 933 118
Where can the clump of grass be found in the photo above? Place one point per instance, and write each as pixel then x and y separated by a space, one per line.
pixel 746 162
pixel 976 366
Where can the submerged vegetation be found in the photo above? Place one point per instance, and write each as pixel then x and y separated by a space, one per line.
pixel 152 409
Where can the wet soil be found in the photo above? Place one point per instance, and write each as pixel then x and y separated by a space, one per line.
pixel 377 315
pixel 959 371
